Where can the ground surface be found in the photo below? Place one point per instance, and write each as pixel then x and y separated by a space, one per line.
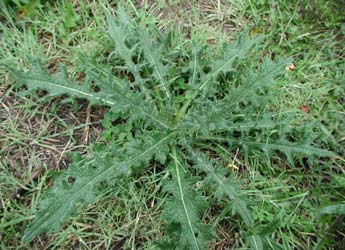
pixel 36 134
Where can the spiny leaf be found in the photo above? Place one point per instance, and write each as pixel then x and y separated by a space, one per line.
pixel 152 54
pixel 253 81
pixel 79 184
pixel 121 33
pixel 221 114
pixel 37 78
pixel 184 208
pixel 76 185
pixel 113 92
pixel 336 208
pixel 225 187
pixel 210 116
pixel 228 188
pixel 285 147
pixel 234 53
pixel 147 140
pixel 255 242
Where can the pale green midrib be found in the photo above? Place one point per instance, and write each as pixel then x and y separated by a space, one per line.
pixel 106 173
pixel 254 240
pixel 303 147
pixel 257 81
pixel 216 72
pixel 159 75
pixel 194 70
pixel 230 192
pixel 72 90
pixel 95 66
pixel 151 116
pixel 83 93
pixel 100 176
pixel 155 64
pixel 251 125
pixel 186 105
pixel 183 201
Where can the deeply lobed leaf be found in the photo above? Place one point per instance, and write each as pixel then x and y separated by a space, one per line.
pixel 79 183
pixel 184 208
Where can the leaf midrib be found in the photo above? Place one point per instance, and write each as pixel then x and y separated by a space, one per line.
pixel 288 146
pixel 102 100
pixel 102 175
pixel 182 197
pixel 73 90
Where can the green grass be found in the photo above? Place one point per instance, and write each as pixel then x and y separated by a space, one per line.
pixel 37 135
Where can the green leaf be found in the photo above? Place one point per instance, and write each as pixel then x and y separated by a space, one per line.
pixel 337 208
pixel 228 188
pixel 152 54
pixel 234 53
pixel 255 242
pixel 209 117
pixel 261 79
pixel 288 148
pixel 184 209
pixel 146 141
pixel 70 17
pixel 78 184
pixel 121 33
pixel 112 92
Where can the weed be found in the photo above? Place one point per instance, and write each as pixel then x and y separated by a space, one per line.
pixel 294 206
pixel 169 105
